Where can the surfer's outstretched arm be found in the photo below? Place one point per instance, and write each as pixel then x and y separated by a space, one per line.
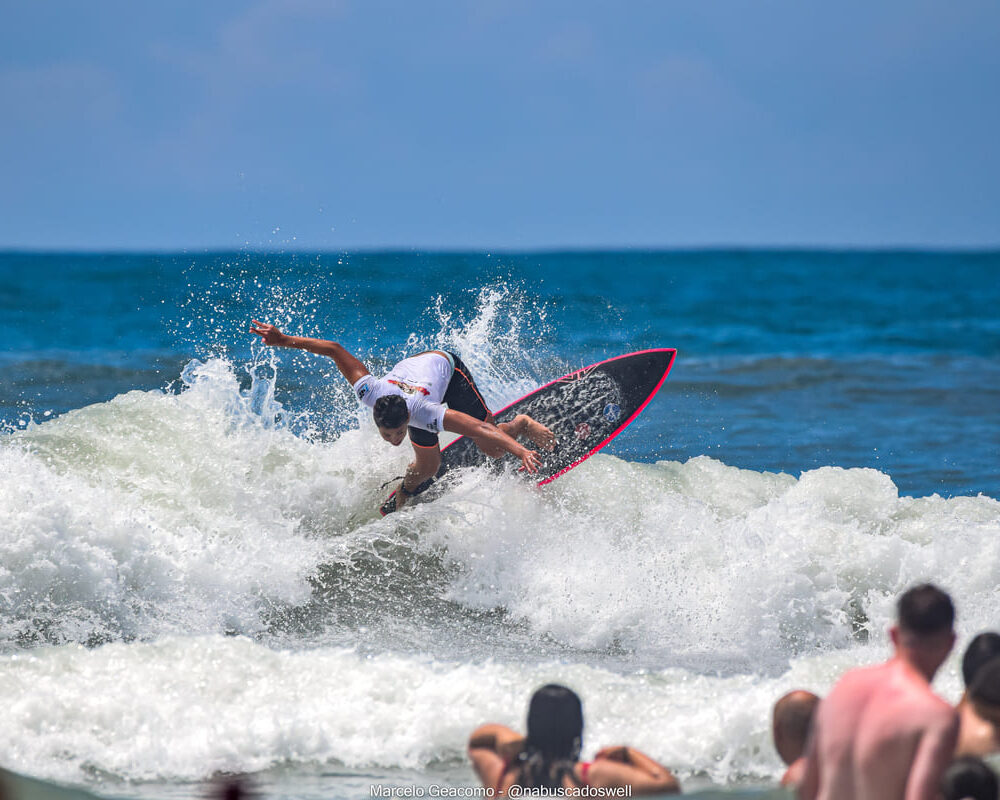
pixel 350 367
pixel 490 439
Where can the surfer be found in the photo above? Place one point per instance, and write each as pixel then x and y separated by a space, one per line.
pixel 421 396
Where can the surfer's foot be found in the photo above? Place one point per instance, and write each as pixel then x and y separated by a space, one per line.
pixel 538 433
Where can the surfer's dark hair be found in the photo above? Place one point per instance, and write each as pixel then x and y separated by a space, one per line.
pixel 555 736
pixel 984 647
pixel 390 411
pixel 925 610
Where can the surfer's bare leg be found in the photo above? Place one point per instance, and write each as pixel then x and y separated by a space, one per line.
pixel 425 465
pixel 521 425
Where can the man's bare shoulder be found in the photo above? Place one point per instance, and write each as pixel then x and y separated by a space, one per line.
pixel 920 695
pixel 863 675
pixel 859 679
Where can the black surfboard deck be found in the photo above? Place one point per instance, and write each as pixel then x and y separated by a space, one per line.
pixel 585 409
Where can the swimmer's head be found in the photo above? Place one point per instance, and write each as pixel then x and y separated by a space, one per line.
pixel 792 719
pixel 966 778
pixel 555 723
pixel 925 627
pixel 391 416
pixel 984 647
pixel 985 691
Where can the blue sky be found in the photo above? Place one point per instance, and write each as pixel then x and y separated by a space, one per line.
pixel 339 125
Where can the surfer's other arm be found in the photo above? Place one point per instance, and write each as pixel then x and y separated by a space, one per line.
pixel 350 367
pixel 490 439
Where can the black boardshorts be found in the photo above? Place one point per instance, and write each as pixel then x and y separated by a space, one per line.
pixel 461 395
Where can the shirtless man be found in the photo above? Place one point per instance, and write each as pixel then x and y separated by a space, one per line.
pixel 881 733
pixel 422 395
pixel 791 722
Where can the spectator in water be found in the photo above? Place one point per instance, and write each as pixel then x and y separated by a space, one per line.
pixel 969 779
pixel 982 712
pixel 881 733
pixel 549 755
pixel 791 722
pixel 979 708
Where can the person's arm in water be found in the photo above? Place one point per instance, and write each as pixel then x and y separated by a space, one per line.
pixel 491 748
pixel 626 766
pixel 492 437
pixel 350 367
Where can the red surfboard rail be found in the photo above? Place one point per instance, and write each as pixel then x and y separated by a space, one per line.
pixel 627 422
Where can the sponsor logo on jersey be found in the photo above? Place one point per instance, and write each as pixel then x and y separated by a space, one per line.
pixel 409 388
pixel 612 412
pixel 582 431
pixel 363 390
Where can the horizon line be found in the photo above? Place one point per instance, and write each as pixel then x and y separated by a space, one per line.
pixel 985 249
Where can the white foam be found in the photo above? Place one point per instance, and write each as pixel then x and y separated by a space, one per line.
pixel 703 559
pixel 157 512
pixel 685 596
pixel 490 342
pixel 188 707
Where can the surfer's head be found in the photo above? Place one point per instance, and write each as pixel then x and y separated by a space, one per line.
pixel 391 416
pixel 555 723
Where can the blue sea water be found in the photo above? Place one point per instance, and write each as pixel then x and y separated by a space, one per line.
pixel 787 360
pixel 194 580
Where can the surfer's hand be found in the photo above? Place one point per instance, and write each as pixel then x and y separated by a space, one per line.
pixel 530 462
pixel 270 334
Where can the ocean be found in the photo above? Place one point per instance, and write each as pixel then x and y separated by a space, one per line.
pixel 195 581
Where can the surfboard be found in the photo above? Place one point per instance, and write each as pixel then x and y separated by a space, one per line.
pixel 585 409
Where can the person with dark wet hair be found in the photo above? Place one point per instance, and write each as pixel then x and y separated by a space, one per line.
pixel 983 647
pixel 791 723
pixel 421 396
pixel 977 736
pixel 979 712
pixel 882 733
pixel 548 757
pixel 969 779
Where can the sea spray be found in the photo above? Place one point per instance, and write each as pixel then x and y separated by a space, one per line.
pixel 152 512
pixel 195 578
pixel 190 512
pixel 184 708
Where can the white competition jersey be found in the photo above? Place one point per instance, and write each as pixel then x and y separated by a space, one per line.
pixel 421 381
